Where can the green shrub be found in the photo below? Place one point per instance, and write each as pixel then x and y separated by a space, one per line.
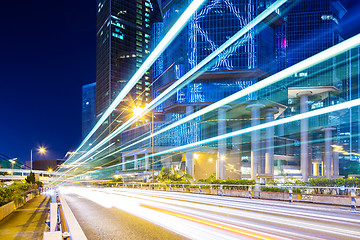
pixel 273 189
pixel 337 182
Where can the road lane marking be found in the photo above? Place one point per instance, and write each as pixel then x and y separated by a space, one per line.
pixel 308 226
pixel 209 223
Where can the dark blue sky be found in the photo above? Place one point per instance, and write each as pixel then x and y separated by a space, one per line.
pixel 47 54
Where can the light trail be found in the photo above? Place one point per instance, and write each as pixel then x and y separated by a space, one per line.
pixel 180 82
pixel 337 107
pixel 215 217
pixel 348 44
pixel 159 49
pixel 316 59
pixel 209 223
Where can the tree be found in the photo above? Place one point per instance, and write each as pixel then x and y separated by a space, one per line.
pixel 31 178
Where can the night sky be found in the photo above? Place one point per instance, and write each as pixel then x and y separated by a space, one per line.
pixel 47 54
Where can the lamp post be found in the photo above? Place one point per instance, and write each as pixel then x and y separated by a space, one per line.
pixel 12 161
pixel 41 150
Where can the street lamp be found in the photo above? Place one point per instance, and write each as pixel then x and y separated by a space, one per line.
pixel 12 161
pixel 41 150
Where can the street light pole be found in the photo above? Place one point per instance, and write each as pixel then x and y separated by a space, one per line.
pixel 31 160
pixel 12 161
pixel 42 150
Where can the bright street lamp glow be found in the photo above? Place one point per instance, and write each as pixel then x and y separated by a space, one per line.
pixel 137 111
pixel 42 150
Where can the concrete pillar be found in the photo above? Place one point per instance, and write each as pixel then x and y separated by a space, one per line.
pixel 304 137
pixel 123 164
pixel 281 132
pixel 189 156
pixel 255 139
pixel 146 161
pixel 237 146
pixel 269 155
pixel 335 164
pixel 328 151
pixel 135 163
pixel 222 143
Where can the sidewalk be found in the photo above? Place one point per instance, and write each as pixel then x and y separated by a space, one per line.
pixel 27 222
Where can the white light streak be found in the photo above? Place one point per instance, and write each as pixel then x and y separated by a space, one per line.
pixel 316 59
pixel 167 93
pixel 298 117
pixel 164 43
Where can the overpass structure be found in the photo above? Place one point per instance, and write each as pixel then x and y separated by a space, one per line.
pixel 21 174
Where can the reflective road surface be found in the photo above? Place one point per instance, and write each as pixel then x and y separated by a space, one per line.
pixel 112 213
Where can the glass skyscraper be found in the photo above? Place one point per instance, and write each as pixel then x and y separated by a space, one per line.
pixel 88 108
pixel 295 32
pixel 124 34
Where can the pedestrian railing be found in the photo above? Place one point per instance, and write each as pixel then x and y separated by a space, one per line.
pixel 345 196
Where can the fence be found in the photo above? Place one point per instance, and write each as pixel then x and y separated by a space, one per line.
pixel 345 196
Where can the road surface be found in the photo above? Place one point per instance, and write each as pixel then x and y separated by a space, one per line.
pixel 112 213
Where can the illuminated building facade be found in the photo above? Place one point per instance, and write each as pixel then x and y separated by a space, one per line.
pixel 301 149
pixel 88 108
pixel 124 34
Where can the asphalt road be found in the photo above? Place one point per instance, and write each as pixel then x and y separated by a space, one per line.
pixel 132 214
pixel 100 222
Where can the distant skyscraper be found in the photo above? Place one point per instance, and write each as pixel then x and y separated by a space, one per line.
pixel 124 32
pixel 88 108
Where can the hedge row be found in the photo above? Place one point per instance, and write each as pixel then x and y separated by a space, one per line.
pixel 15 192
pixel 337 182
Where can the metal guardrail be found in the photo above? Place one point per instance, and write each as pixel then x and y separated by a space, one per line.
pixel 344 196
pixel 63 224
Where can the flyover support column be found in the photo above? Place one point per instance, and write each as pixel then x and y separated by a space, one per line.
pixel 304 135
pixel 237 146
pixel 135 163
pixel 189 156
pixel 222 143
pixel 146 161
pixel 123 164
pixel 255 139
pixel 269 156
pixel 328 152
pixel 335 164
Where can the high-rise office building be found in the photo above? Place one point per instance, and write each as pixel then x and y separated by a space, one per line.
pixel 88 108
pixel 291 34
pixel 124 32
pixel 248 61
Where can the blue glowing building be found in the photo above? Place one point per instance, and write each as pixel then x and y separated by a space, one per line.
pixel 246 62
pixel 123 42
pixel 293 33
pixel 88 108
